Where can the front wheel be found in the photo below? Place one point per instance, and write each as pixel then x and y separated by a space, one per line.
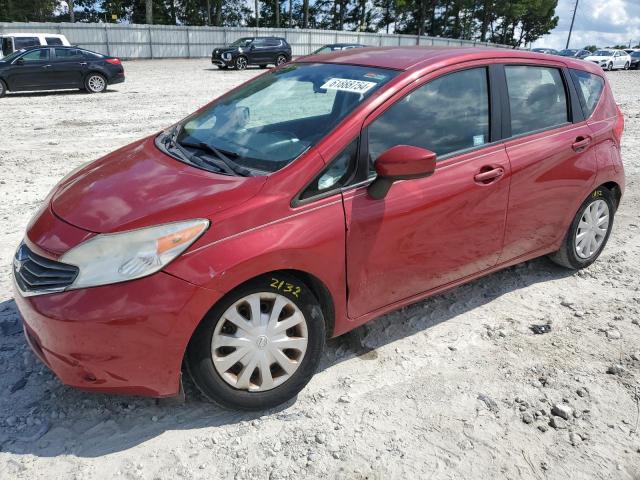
pixel 589 231
pixel 240 63
pixel 610 66
pixel 95 83
pixel 259 346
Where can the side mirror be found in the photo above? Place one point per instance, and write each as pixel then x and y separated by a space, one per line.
pixel 20 61
pixel 402 162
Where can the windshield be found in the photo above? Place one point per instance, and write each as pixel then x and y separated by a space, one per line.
pixel 11 57
pixel 267 123
pixel 241 42
pixel 568 53
pixel 603 53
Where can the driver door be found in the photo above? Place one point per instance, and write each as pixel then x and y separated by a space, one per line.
pixel 430 232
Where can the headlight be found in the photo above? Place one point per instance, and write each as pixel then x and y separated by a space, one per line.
pixel 117 257
pixel 226 56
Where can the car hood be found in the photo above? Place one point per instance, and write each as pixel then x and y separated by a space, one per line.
pixel 139 186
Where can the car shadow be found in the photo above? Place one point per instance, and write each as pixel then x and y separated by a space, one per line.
pixel 48 419
pixel 49 93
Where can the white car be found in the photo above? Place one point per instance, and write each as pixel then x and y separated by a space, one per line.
pixel 11 42
pixel 610 59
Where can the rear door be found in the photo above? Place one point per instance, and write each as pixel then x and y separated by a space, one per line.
pixel 33 72
pixel 260 52
pixel 69 67
pixel 552 157
pixel 430 232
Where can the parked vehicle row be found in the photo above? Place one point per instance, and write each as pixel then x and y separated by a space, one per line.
pixel 308 201
pixel 607 58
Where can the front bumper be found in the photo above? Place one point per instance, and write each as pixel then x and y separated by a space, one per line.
pixel 127 338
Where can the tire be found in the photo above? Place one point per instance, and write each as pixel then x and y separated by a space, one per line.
pixel 95 83
pixel 575 256
pixel 242 385
pixel 626 66
pixel 240 63
pixel 263 66
pixel 280 59
pixel 610 66
pixel 3 89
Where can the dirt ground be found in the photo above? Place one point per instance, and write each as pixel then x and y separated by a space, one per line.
pixel 453 387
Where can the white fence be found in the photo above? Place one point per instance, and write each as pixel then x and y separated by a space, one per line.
pixel 166 41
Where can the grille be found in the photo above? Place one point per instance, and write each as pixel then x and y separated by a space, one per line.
pixel 36 274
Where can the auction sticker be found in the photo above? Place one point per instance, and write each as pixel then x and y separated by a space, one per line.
pixel 348 85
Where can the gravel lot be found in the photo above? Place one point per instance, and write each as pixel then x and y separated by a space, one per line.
pixel 453 387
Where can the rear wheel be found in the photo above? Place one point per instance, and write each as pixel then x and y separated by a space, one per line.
pixel 280 59
pixel 95 83
pixel 259 346
pixel 240 63
pixel 589 231
pixel 610 66
pixel 626 66
pixel 3 89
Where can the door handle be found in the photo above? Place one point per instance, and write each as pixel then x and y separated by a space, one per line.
pixel 487 176
pixel 581 143
pixel 46 66
pixel 84 64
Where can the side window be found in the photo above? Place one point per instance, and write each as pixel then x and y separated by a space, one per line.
pixel 589 88
pixel 39 55
pixel 24 42
pixel 537 98
pixel 68 54
pixel 273 42
pixel 448 114
pixel 53 41
pixel 336 174
pixel 259 42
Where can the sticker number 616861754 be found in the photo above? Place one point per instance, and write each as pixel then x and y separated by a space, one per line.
pixel 285 287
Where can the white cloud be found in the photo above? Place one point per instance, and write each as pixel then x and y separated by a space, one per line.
pixel 597 23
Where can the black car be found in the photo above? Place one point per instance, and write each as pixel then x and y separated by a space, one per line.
pixel 575 53
pixel 635 60
pixel 334 47
pixel 58 68
pixel 252 51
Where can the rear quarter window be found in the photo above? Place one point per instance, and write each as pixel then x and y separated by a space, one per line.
pixel 53 41
pixel 589 88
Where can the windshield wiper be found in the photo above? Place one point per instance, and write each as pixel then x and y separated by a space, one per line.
pixel 229 164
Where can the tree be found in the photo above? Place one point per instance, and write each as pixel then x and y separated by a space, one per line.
pixel 591 48
pixel 149 11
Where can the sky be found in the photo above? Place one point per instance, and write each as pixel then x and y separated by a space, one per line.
pixel 598 22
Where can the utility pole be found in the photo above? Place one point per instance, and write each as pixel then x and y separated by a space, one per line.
pixel 575 9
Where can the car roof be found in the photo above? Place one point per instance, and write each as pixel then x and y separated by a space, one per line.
pixel 344 45
pixel 412 58
pixel 35 34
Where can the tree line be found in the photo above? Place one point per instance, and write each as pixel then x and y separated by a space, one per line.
pixel 515 22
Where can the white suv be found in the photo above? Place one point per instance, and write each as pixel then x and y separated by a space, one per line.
pixel 10 42
pixel 610 59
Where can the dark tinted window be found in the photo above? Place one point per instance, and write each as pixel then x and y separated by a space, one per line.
pixel 68 54
pixel 537 98
pixel 336 174
pixel 91 55
pixel 7 47
pixel 449 114
pixel 589 89
pixel 23 42
pixel 259 42
pixel 41 54
pixel 53 41
pixel 272 42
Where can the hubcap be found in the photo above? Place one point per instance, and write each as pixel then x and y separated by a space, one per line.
pixel 96 83
pixel 242 63
pixel 259 342
pixel 281 60
pixel 592 229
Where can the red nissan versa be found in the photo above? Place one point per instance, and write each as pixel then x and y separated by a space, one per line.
pixel 308 201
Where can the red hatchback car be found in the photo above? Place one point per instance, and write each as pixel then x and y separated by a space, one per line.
pixel 308 201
